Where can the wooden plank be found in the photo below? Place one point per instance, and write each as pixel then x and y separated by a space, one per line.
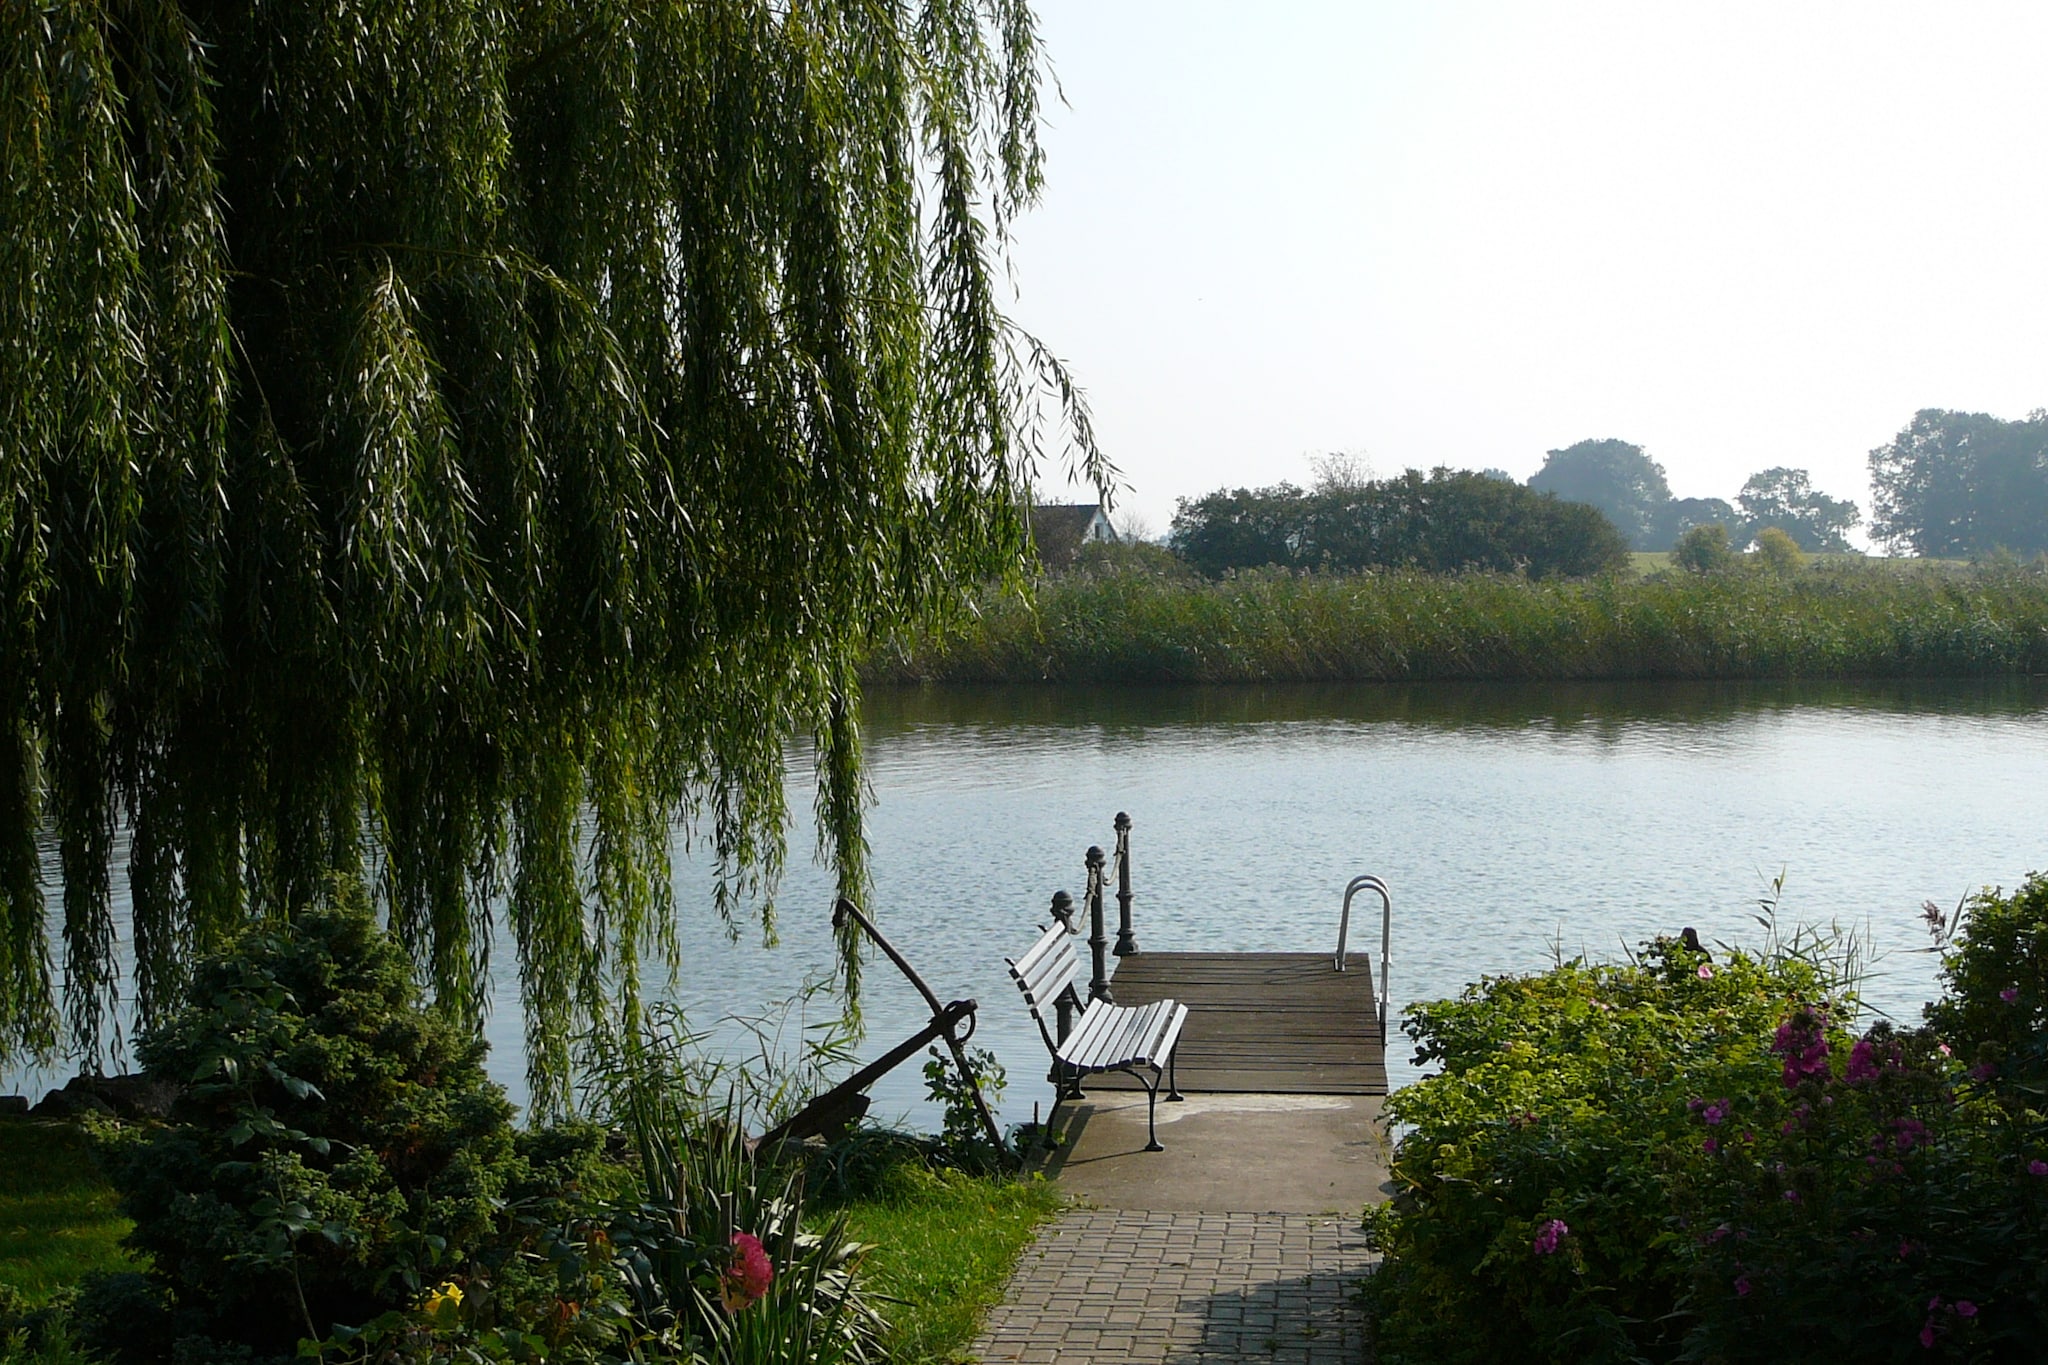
pixel 1281 1023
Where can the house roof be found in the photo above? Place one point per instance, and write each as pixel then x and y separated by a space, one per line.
pixel 1058 530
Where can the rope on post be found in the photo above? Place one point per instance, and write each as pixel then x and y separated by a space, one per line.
pixel 1126 938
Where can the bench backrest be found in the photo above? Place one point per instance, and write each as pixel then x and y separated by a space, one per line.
pixel 1050 966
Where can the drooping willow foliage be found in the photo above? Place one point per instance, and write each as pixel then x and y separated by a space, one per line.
pixel 448 442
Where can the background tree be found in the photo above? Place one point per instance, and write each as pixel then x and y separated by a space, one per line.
pixel 1680 516
pixel 448 443
pixel 1787 499
pixel 1240 528
pixel 1963 483
pixel 1445 521
pixel 1614 476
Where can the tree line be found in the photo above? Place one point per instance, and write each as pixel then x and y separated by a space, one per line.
pixel 1629 487
pixel 1951 484
pixel 1444 521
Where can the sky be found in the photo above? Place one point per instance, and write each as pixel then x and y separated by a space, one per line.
pixel 1739 235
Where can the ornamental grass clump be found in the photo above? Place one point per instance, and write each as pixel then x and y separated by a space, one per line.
pixel 1643 1161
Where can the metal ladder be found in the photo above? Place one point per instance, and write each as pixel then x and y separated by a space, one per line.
pixel 1368 882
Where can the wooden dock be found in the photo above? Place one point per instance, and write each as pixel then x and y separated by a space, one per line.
pixel 1263 1023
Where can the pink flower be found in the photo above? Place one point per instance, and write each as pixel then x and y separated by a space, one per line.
pixel 747 1278
pixel 2037 1167
pixel 1710 1146
pixel 1717 1112
pixel 1706 971
pixel 1927 1335
pixel 2010 995
pixel 1908 1134
pixel 1802 1041
pixel 1965 1309
pixel 1942 1048
pixel 1548 1235
pixel 1792 1196
pixel 1742 1286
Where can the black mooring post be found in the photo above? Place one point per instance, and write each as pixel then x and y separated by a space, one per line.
pixel 1066 1002
pixel 1098 940
pixel 1126 940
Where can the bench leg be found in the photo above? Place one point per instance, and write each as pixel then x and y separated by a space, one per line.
pixel 1173 1086
pixel 1152 1142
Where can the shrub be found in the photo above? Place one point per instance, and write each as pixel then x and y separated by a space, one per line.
pixel 1777 552
pixel 1535 1219
pixel 1644 1162
pixel 1705 549
pixel 337 1151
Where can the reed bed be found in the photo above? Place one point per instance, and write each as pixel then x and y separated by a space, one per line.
pixel 1835 620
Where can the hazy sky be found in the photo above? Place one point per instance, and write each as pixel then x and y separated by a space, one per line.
pixel 1740 235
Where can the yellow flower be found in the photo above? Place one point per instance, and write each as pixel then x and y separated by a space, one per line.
pixel 448 1296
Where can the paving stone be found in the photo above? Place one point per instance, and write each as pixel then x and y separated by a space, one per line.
pixel 1184 1288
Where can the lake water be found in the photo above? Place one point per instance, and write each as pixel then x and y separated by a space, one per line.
pixel 1511 821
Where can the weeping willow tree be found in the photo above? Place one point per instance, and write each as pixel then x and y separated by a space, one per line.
pixel 447 443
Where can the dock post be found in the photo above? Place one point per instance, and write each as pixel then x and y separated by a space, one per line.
pixel 1126 939
pixel 1067 1002
pixel 1098 939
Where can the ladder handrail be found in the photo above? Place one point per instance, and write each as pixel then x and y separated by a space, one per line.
pixel 1368 882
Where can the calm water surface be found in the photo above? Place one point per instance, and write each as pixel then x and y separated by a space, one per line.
pixel 1511 821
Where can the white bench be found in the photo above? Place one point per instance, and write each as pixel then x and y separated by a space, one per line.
pixel 1106 1037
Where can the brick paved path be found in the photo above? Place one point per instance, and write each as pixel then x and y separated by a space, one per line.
pixel 1126 1285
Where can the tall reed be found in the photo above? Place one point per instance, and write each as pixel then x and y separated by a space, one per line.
pixel 1838 619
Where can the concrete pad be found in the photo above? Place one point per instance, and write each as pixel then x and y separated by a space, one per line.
pixel 1224 1153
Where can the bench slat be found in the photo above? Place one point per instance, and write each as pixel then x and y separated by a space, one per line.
pixel 1127 1031
pixel 1053 974
pixel 1043 986
pixel 1047 968
pixel 1162 1047
pixel 1086 1042
pixel 1052 938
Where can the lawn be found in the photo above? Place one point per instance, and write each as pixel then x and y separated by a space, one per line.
pixel 945 1244
pixel 57 1216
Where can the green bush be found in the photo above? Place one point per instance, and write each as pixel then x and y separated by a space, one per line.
pixel 1778 552
pixel 1535 1218
pixel 1705 549
pixel 1677 1159
pixel 337 1151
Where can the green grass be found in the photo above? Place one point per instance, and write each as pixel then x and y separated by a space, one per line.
pixel 1840 617
pixel 58 1221
pixel 944 1244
